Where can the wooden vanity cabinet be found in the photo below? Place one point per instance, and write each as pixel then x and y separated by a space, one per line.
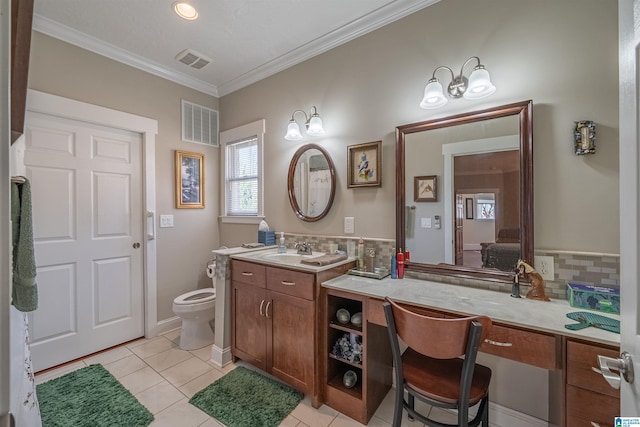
pixel 275 320
pixel 590 400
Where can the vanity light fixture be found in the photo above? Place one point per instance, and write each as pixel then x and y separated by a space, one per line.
pixel 185 10
pixel 477 86
pixel 313 123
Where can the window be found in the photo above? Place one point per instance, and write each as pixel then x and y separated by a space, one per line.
pixel 242 173
pixel 486 206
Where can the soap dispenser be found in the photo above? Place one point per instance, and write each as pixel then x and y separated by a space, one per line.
pixel 281 246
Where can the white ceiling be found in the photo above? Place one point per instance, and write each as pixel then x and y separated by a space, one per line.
pixel 247 40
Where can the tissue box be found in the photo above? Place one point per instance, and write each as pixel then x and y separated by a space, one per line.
pixel 267 237
pixel 594 298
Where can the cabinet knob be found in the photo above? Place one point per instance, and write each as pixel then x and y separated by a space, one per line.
pixel 261 304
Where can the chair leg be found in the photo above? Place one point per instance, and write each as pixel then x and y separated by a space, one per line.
pixel 485 413
pixel 398 408
pixel 412 406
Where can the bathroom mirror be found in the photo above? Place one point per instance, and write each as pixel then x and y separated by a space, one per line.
pixel 311 183
pixel 478 220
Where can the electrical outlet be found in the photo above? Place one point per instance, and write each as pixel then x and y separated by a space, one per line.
pixel 349 225
pixel 544 267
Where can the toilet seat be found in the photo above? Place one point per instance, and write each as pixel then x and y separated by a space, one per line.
pixel 196 297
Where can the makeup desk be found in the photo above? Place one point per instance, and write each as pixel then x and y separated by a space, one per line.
pixel 527 331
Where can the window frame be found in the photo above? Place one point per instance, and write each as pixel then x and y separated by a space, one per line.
pixel 251 130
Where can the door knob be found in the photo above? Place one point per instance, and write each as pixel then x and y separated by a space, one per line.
pixel 624 365
pixel 136 245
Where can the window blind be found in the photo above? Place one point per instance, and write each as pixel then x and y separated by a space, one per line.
pixel 242 177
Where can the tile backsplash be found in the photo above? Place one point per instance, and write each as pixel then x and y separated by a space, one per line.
pixel 586 268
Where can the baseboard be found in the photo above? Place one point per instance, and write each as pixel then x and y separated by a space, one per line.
pixel 168 325
pixel 472 247
pixel 501 416
pixel 220 356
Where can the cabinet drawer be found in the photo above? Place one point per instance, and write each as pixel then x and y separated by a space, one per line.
pixel 375 311
pixel 247 272
pixel 528 347
pixel 580 359
pixel 586 407
pixel 290 282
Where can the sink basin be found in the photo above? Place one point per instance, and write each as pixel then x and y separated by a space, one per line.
pixel 288 258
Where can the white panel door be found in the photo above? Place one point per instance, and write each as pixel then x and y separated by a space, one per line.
pixel 87 226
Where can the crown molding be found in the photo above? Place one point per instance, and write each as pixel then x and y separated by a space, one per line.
pixel 62 32
pixel 378 18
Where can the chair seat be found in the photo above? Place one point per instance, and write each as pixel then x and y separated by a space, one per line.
pixel 439 379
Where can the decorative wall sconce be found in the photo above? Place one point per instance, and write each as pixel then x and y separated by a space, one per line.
pixel 584 135
pixel 477 86
pixel 313 123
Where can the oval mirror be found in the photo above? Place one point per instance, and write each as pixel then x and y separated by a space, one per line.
pixel 464 188
pixel 311 183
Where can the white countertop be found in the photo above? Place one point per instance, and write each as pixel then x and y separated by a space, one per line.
pixel 500 307
pixel 269 256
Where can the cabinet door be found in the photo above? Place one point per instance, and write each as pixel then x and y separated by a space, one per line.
pixel 291 340
pixel 249 339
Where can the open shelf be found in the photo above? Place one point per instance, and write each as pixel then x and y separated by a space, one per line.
pixel 345 361
pixel 355 391
pixel 346 327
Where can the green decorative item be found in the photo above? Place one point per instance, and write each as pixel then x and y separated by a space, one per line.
pixel 245 398
pixel 90 397
pixel 587 319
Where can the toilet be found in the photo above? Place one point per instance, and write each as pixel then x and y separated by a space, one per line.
pixel 197 309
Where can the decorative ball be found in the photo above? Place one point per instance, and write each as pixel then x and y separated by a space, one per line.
pixel 343 316
pixel 349 379
pixel 356 319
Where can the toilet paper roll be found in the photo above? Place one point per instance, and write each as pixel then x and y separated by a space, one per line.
pixel 211 270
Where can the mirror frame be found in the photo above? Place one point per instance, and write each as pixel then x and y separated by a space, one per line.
pixel 524 111
pixel 292 196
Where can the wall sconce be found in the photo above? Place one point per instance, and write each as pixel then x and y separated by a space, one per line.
pixel 584 135
pixel 477 86
pixel 313 123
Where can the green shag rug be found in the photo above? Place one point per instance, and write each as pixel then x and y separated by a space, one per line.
pixel 245 398
pixel 89 397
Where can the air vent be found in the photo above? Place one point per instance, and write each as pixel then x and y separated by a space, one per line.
pixel 199 124
pixel 192 58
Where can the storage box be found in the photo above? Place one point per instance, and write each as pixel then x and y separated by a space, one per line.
pixel 594 298
pixel 267 237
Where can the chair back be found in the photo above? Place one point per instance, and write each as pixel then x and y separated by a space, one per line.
pixel 435 337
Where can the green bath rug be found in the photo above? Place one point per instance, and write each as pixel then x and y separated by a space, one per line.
pixel 89 397
pixel 245 398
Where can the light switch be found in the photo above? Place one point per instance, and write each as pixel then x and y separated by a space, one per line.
pixel 166 221
pixel 349 225
pixel 425 222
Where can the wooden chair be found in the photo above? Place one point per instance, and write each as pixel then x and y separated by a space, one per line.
pixel 439 367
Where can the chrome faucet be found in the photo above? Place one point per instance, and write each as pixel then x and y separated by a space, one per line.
pixel 303 248
pixel 515 286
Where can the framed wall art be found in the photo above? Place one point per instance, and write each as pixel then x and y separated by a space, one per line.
pixel 364 165
pixel 189 180
pixel 425 188
pixel 468 208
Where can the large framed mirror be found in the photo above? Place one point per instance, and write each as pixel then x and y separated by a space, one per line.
pixel 311 182
pixel 477 221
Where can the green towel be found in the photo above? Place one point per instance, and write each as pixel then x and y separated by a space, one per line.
pixel 25 292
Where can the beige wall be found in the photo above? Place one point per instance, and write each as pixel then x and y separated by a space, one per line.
pixel 561 54
pixel 183 251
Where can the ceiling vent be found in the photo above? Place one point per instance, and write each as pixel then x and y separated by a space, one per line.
pixel 199 124
pixel 193 59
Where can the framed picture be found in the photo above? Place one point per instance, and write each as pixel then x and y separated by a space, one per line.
pixel 468 208
pixel 425 188
pixel 189 180
pixel 364 165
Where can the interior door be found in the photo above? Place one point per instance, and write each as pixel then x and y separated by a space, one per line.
pixel 87 223
pixel 629 27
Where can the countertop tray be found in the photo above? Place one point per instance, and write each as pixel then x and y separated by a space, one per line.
pixel 369 274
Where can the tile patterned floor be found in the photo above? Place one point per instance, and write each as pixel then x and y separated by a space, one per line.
pixel 163 378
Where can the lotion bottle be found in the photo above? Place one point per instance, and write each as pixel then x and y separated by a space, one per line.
pixel 394 266
pixel 281 246
pixel 361 254
pixel 400 261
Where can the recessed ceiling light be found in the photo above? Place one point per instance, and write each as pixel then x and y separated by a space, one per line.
pixel 185 10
